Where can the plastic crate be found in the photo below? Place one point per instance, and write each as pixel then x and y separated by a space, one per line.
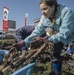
pixel 2 52
pixel 26 70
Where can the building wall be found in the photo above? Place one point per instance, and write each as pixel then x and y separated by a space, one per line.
pixel 11 24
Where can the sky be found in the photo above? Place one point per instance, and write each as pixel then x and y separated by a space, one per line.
pixel 18 8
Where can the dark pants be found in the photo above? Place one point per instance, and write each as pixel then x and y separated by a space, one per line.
pixel 55 54
pixel 56 60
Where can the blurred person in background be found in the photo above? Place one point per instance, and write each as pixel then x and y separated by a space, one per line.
pixel 23 32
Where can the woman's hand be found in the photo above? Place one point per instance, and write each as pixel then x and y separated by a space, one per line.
pixel 19 44
pixel 42 38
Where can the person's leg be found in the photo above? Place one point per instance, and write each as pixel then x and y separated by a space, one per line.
pixel 56 59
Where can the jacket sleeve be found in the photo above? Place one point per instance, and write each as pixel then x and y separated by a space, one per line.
pixel 36 32
pixel 66 28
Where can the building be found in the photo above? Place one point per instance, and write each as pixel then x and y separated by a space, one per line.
pixel 11 24
pixel 2 34
pixel 11 29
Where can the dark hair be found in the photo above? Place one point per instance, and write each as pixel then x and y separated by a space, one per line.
pixel 50 2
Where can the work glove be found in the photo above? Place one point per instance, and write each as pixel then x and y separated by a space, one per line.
pixel 19 44
pixel 37 42
pixel 42 38
pixel 45 38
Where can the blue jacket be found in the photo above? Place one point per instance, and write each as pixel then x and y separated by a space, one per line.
pixel 64 26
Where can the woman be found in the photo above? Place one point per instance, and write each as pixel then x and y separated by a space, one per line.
pixel 60 20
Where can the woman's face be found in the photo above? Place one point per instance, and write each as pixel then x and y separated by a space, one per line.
pixel 47 11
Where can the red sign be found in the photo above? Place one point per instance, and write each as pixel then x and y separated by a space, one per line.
pixel 5 25
pixel 5 19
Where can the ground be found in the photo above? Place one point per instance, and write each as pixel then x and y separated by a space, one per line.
pixel 43 65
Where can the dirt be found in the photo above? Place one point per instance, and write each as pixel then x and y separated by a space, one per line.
pixel 44 66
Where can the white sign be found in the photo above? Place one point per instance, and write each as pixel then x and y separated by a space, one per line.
pixel 5 19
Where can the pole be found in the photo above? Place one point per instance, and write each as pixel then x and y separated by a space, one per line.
pixel 26 19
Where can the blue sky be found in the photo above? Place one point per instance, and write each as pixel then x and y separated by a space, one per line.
pixel 18 8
